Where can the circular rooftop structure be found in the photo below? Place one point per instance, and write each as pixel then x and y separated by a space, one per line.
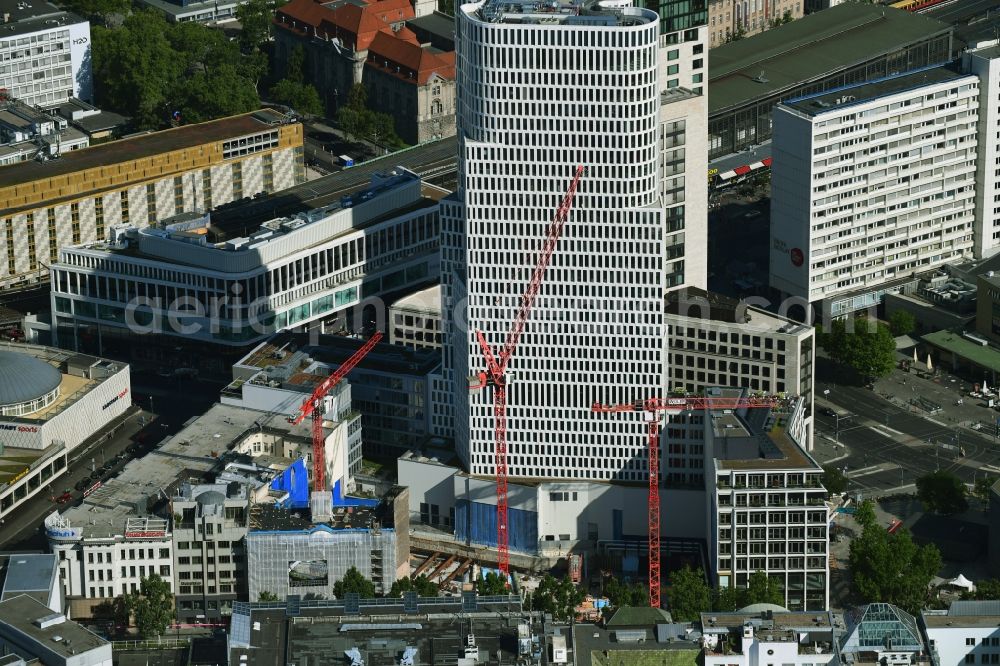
pixel 27 384
pixel 762 608
pixel 210 497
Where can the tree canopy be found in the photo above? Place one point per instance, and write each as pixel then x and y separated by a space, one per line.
pixel 357 120
pixel 986 589
pixel 981 490
pixel 862 344
pixel 152 607
pixel 267 596
pixel 302 97
pixel 762 589
pixel 626 594
pixel 891 568
pixel 560 597
pixel 422 585
pixel 689 594
pixel 150 69
pixel 354 581
pixel 492 584
pixel 865 514
pixel 902 322
pixel 834 480
pixel 255 23
pixel 942 492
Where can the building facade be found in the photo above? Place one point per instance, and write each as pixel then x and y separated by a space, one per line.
pixel 714 340
pixel 633 231
pixel 729 18
pixel 967 633
pixel 985 63
pixel 415 319
pixel 53 401
pixel 368 43
pixel 872 183
pixel 45 55
pixel 745 638
pixel 46 206
pixel 209 526
pixel 191 281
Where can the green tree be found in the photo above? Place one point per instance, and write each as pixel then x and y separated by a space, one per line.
pixel 834 480
pixel 267 596
pixel 862 344
pixel 255 24
pixel 981 490
pixel 354 581
pixel 762 589
pixel 295 68
pixel 781 20
pixel 689 594
pixel 942 492
pixel 865 514
pixel 626 594
pixel 152 607
pixel 422 585
pixel 558 597
pixel 735 35
pixel 302 97
pixel 492 584
pixel 891 568
pixel 148 69
pixel 902 322
pixel 726 599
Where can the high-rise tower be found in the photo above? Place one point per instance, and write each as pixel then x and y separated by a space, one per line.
pixel 544 86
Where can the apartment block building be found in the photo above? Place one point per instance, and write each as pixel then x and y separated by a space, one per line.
pixel 46 206
pixel 209 526
pixel 968 632
pixel 728 18
pixel 44 54
pixel 415 319
pixel 872 183
pixel 714 340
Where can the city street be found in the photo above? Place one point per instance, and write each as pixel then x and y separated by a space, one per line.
pixel 886 443
pixel 102 457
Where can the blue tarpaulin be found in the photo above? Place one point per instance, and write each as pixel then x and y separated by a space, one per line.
pixel 295 481
pixel 476 522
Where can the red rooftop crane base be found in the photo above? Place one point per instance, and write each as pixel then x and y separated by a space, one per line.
pixel 313 406
pixel 652 407
pixel 496 366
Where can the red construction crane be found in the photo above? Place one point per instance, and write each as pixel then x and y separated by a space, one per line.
pixel 313 406
pixel 652 408
pixel 496 367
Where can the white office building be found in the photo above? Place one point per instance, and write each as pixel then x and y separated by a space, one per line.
pixel 967 633
pixel 985 63
pixel 190 280
pixel 44 54
pixel 872 183
pixel 762 634
pixel 541 91
pixel 715 340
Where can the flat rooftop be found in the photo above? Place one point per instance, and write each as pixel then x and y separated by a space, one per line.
pixel 959 621
pixel 862 93
pixel 757 440
pixel 145 145
pixel 778 620
pixel 192 454
pixel 33 16
pixel 425 301
pixel 560 12
pixel 810 48
pixel 708 306
pixel 269 518
pixel 67 638
pixel 986 356
pixel 30 574
pixel 438 634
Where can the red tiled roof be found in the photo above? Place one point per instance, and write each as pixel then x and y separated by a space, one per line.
pixel 354 25
pixel 407 59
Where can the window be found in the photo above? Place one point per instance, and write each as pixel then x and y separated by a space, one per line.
pixel 970 641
